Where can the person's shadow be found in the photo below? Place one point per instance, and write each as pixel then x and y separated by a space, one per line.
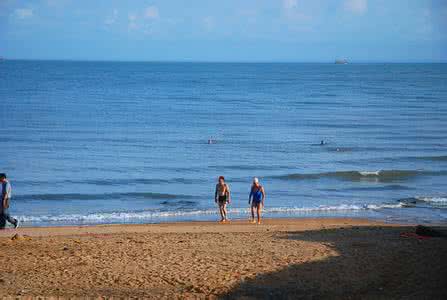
pixel 372 263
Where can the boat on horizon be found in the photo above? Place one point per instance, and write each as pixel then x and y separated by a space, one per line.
pixel 341 61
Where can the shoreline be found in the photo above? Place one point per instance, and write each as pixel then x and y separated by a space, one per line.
pixel 237 225
pixel 332 258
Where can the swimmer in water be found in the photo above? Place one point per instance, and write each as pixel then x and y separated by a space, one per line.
pixel 222 198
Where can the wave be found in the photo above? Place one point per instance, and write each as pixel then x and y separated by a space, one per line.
pixel 107 182
pixel 380 175
pixel 433 199
pixel 391 187
pixel 155 215
pixel 181 203
pixel 115 182
pixel 426 97
pixel 249 167
pixel 109 196
pixel 425 201
pixel 433 158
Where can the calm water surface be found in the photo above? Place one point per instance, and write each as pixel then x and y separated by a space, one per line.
pixel 111 142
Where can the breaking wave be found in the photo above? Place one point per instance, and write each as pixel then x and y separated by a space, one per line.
pixel 426 201
pixel 156 215
pixel 380 175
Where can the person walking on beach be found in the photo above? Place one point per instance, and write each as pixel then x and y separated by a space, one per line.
pixel 256 199
pixel 4 203
pixel 222 198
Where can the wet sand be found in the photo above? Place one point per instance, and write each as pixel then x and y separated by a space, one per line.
pixel 280 259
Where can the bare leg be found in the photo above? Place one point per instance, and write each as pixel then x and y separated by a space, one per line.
pixel 252 213
pixel 221 213
pixel 258 212
pixel 224 210
pixel 5 216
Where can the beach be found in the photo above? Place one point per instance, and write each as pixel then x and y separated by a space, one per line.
pixel 308 258
pixel 223 149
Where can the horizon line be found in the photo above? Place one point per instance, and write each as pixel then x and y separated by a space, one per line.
pixel 229 61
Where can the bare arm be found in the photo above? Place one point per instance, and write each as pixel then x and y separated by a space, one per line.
pixel 263 195
pixel 215 194
pixel 228 194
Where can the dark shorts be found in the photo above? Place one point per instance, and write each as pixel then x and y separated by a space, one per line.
pixel 5 216
pixel 256 203
pixel 222 200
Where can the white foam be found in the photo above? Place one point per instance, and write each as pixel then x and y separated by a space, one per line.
pixel 370 173
pixel 440 200
pixel 382 206
pixel 156 215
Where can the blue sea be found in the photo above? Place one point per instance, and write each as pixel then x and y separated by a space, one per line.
pixel 127 142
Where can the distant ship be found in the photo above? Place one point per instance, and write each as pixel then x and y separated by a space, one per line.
pixel 341 61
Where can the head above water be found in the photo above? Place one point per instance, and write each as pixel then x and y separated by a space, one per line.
pixel 2 176
pixel 221 179
pixel 255 181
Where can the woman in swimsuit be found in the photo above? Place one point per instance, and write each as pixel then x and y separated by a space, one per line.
pixel 257 194
pixel 222 198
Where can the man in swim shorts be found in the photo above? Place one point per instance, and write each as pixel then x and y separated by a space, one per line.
pixel 5 187
pixel 222 198
pixel 256 199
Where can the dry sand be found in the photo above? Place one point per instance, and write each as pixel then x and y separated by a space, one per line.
pixel 281 259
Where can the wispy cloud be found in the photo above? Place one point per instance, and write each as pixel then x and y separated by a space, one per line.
pixel 112 18
pixel 133 22
pixel 56 3
pixel 292 11
pixel 23 13
pixel 358 7
pixel 209 23
pixel 290 4
pixel 425 24
pixel 144 21
pixel 151 12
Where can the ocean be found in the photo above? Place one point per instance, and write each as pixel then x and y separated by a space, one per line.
pixel 127 142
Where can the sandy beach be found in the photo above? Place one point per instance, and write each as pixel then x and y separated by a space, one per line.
pixel 280 259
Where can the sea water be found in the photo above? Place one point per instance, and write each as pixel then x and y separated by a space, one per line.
pixel 127 142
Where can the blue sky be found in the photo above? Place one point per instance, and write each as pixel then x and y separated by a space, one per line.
pixel 230 30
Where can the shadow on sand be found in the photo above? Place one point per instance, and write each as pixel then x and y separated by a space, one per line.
pixel 372 263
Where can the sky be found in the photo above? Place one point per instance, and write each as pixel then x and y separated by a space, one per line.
pixel 225 30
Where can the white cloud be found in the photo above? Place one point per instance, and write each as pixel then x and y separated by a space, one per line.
pixel 358 7
pixel 151 12
pixel 23 13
